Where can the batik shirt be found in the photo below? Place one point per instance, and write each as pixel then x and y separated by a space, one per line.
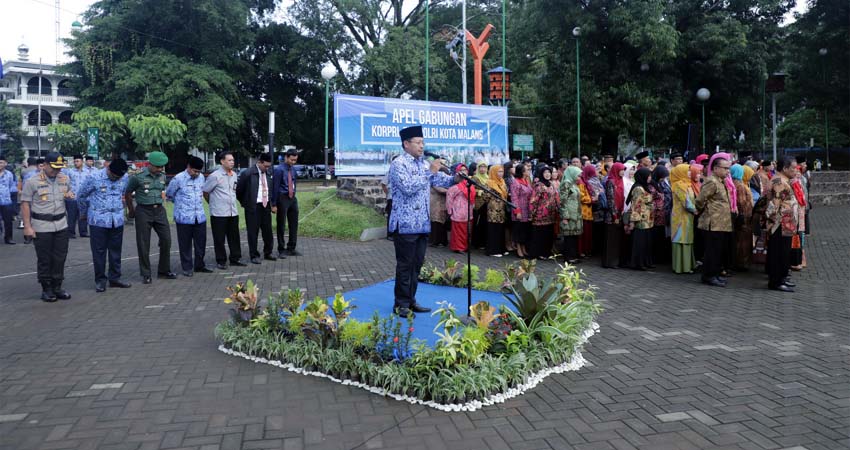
pixel 410 179
pixel 105 199
pixel 7 186
pixel 187 193
pixel 77 177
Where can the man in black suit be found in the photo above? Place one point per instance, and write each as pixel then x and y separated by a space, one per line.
pixel 253 189
pixel 286 203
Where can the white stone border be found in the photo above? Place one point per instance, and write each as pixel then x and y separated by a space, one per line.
pixel 576 362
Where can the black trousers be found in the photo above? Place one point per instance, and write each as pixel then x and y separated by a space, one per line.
pixel 495 238
pixel 569 247
pixel 778 261
pixel 409 257
pixel 7 212
pixel 439 234
pixel 192 237
pixel 106 243
pixel 51 250
pixel 641 257
pixel 73 215
pixel 287 214
pixel 257 221
pixel 716 246
pixel 152 217
pixel 226 228
pixel 389 211
pixel 611 245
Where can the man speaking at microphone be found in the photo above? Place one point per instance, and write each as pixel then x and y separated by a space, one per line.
pixel 410 179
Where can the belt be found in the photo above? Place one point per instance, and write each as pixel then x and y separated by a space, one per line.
pixel 47 217
pixel 155 205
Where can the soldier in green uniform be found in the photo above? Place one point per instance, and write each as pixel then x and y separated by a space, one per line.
pixel 43 212
pixel 149 189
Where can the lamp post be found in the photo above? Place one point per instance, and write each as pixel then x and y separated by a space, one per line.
pixel 271 135
pixel 823 52
pixel 703 95
pixel 577 35
pixel 328 72
pixel 644 67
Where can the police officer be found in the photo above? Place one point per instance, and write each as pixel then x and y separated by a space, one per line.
pixel 43 211
pixel 149 189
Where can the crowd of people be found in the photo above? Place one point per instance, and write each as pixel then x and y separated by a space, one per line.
pixel 54 200
pixel 715 215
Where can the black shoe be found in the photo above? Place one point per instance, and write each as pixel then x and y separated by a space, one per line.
pixel 403 312
pixel 60 293
pixel 221 266
pixel 294 252
pixel 269 257
pixel 789 283
pixel 167 275
pixel 146 280
pixel 48 296
pixel 83 235
pixel 205 269
pixel 187 273
pixel 120 284
pixel 281 255
pixel 417 308
pixel 722 278
pixel 10 242
pixel 100 287
pixel 783 288
pixel 238 263
pixel 256 261
pixel 714 282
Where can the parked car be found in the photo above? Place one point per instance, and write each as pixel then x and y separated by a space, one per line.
pixel 319 171
pixel 301 171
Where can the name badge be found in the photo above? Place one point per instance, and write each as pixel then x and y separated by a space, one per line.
pixel 44 198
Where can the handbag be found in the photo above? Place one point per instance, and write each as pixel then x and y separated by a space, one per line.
pixel 760 249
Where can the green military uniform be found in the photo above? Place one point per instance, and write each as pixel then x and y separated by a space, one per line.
pixel 46 197
pixel 150 214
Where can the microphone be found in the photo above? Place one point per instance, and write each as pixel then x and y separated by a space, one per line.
pixel 432 155
pixel 437 157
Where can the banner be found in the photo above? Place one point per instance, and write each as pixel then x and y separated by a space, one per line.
pixel 366 132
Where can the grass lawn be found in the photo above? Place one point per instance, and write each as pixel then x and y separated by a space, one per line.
pixel 321 214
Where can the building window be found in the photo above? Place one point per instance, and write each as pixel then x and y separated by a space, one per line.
pixel 46 118
pixel 65 88
pixel 46 87
pixel 65 116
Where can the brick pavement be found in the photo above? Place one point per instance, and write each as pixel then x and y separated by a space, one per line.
pixel 677 365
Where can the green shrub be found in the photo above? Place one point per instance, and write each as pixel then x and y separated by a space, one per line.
pixel 355 332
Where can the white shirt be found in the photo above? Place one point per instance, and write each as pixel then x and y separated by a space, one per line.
pixel 262 187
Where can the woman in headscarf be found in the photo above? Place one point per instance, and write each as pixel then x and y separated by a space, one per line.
pixel 701 161
pixel 496 211
pixel 543 210
pixel 755 182
pixel 682 219
pixel 696 173
pixel 570 211
pixel 459 201
pixel 741 176
pixel 615 200
pixel 520 196
pixel 662 204
pixel 797 258
pixel 509 181
pixel 479 214
pixel 640 221
pixel 593 218
pixel 439 215
pixel 628 183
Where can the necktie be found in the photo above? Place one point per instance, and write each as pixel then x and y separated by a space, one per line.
pixel 265 189
pixel 290 186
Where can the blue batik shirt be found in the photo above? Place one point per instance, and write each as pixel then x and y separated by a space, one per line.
pixel 187 193
pixel 105 199
pixel 7 186
pixel 410 179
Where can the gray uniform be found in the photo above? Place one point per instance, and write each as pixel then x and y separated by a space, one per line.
pixel 46 197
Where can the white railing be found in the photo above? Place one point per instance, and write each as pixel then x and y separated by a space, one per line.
pixel 32 130
pixel 35 97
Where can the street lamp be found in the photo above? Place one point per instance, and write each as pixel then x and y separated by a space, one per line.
pixel 703 95
pixel 822 52
pixel 328 72
pixel 644 67
pixel 577 35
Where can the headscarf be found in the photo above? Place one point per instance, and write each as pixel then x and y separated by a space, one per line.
pixel 464 184
pixel 628 179
pixel 701 158
pixel 642 180
pixel 748 174
pixel 798 191
pixel 695 172
pixel 495 183
pixel 479 177
pixel 680 179
pixel 619 188
pixel 591 179
pixel 737 172
pixel 540 171
pixel 572 174
pixel 659 174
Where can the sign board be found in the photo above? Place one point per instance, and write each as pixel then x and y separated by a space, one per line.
pixel 523 143
pixel 94 133
pixel 366 132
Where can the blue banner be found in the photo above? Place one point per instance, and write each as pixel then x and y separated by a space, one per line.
pixel 366 132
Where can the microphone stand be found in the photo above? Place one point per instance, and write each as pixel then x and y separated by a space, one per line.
pixel 469 183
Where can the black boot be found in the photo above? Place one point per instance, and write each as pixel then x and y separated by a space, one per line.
pixel 60 293
pixel 47 292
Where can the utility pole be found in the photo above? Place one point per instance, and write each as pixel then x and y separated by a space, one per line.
pixel 463 72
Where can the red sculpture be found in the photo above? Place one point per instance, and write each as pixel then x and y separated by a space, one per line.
pixel 478 46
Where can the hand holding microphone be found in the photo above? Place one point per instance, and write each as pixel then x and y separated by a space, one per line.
pixel 437 162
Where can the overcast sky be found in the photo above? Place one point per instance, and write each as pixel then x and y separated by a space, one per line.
pixel 34 21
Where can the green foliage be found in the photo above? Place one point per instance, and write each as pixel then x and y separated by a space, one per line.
pixel 355 332
pixel 805 124
pixel 494 280
pixel 153 132
pixel 483 314
pixel 531 297
pixel 10 126
pixel 66 139
pixel 111 125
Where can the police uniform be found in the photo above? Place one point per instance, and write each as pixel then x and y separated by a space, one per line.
pixel 46 198
pixel 150 214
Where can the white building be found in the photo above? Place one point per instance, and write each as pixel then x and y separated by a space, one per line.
pixel 23 88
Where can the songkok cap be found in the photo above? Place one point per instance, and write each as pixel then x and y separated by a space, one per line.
pixel 642 155
pixel 118 167
pixel 800 159
pixel 78 156
pixel 266 157
pixel 292 152
pixel 196 163
pixel 55 160
pixel 158 159
pixel 2 157
pixel 410 133
pixel 675 155
pixel 89 158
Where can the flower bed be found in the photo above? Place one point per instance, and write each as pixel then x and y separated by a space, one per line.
pixel 499 354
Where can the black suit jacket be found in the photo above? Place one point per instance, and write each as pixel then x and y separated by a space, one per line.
pixel 248 184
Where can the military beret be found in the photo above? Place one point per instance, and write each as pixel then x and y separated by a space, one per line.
pixel 158 159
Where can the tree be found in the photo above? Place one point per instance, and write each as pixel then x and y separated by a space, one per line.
pixel 807 124
pixel 111 125
pixel 153 132
pixel 66 139
pixel 11 134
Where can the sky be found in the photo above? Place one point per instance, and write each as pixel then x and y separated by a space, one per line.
pixel 33 22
